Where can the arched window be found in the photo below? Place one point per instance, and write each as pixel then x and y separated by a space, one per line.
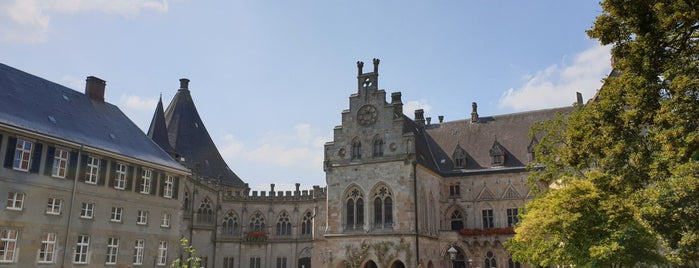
pixel 355 210
pixel 257 222
pixel 383 208
pixel 284 224
pixel 307 224
pixel 378 146
pixel 205 214
pixel 356 149
pixel 512 264
pixel 186 201
pixel 490 260
pixel 457 221
pixel 459 157
pixel 230 225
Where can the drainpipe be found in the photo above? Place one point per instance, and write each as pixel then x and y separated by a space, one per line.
pixel 417 233
pixel 70 209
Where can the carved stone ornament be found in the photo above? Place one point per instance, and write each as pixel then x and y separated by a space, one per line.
pixel 367 115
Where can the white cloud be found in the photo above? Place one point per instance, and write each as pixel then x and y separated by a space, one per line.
pixel 138 103
pixel 28 21
pixel 556 85
pixel 411 106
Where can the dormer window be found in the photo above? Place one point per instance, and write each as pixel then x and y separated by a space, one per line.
pixel 530 149
pixel 497 154
pixel 459 157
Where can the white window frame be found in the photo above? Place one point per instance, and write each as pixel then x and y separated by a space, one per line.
pixel 87 210
pixel 165 220
pixel 23 155
pixel 142 218
pixel 92 170
pixel 169 186
pixel 112 250
pixel 120 180
pixel 117 214
pixel 82 250
pixel 53 206
pixel 8 242
pixel 15 201
pixel 48 248
pixel 146 179
pixel 162 253
pixel 60 163
pixel 138 249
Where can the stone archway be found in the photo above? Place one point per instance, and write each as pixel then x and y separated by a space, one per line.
pixel 397 264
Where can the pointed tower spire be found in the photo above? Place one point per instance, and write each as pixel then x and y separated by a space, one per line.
pixel 158 130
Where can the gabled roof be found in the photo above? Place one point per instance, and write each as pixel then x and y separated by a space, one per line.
pixel 37 105
pixel 188 135
pixel 510 132
pixel 158 130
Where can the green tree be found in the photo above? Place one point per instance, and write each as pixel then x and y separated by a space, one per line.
pixel 635 146
pixel 192 261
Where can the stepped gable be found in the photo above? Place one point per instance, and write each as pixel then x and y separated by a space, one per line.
pixel 477 136
pixel 37 105
pixel 158 130
pixel 188 136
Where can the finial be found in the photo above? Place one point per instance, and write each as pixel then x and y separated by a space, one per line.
pixel 360 65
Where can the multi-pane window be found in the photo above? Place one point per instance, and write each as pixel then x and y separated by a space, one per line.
pixel 512 264
pixel 205 214
pixel 87 210
pixel 255 262
pixel 383 208
pixel 162 253
pixel 354 210
pixel 284 224
pixel 228 262
pixel 490 260
pixel 15 201
pixel 378 147
pixel 307 224
pixel 117 212
pixel 92 170
pixel 165 220
pixel 23 154
pixel 281 262
pixel 230 224
pixel 138 249
pixel 455 190
pixel 459 157
pixel 112 250
pixel 457 220
pixel 48 247
pixel 142 217
pixel 488 218
pixel 8 245
pixel 53 206
pixel 257 222
pixel 511 216
pixel 169 186
pixel 120 179
pixel 82 248
pixel 146 177
pixel 60 163
pixel 356 149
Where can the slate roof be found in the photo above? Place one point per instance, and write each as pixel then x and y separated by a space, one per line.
pixel 158 130
pixel 436 143
pixel 188 135
pixel 41 106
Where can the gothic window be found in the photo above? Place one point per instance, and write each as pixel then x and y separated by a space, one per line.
pixel 512 216
pixel 230 225
pixel 307 224
pixel 284 224
pixel 490 260
pixel 455 190
pixel 383 208
pixel 459 157
pixel 457 221
pixel 378 146
pixel 487 218
pixel 356 149
pixel 205 214
pixel 497 154
pixel 257 222
pixel 355 209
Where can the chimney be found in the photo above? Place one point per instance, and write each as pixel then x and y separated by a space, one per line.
pixel 298 185
pixel 429 120
pixel 441 118
pixel 397 104
pixel 420 117
pixel 579 97
pixel 184 84
pixel 376 65
pixel 360 65
pixel 474 112
pixel 94 88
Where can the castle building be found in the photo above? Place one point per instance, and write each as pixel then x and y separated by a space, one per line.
pixel 401 191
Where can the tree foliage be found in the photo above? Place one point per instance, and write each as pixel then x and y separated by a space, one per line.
pixel 192 261
pixel 624 167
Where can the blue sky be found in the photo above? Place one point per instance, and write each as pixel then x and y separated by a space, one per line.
pixel 270 78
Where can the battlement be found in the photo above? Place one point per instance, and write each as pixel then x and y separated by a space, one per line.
pixel 297 195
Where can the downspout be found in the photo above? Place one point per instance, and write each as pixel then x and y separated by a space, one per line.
pixel 70 209
pixel 415 201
